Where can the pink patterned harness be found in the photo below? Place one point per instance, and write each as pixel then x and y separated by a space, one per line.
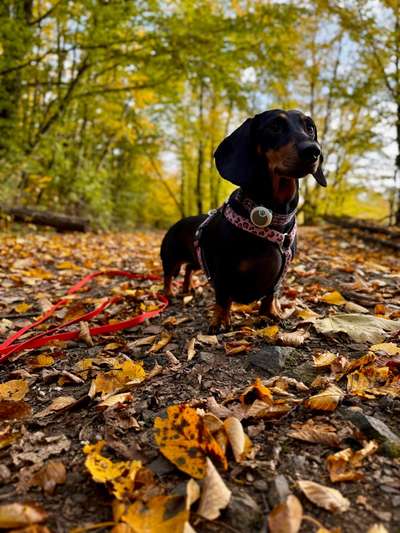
pixel 283 240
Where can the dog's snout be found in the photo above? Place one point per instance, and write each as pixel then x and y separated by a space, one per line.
pixel 309 152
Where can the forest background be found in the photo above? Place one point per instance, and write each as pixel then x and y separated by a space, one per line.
pixel 112 109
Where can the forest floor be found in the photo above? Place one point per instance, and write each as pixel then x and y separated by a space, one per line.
pixel 325 409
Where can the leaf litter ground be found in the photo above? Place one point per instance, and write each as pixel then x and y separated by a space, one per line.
pixel 263 425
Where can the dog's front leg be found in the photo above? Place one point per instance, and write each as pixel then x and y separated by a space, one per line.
pixel 222 312
pixel 270 307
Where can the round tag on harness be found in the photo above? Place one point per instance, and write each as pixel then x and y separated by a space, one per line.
pixel 261 216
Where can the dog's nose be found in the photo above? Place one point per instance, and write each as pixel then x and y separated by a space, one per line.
pixel 309 152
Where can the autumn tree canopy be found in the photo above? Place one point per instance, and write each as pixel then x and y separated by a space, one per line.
pixel 113 109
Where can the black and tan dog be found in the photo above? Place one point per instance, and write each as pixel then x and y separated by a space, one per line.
pixel 265 157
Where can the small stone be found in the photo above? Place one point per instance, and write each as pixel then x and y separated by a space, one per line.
pixel 278 490
pixel 272 359
pixel 243 513
pixel 261 485
pixel 206 357
pixel 161 466
pixel 373 428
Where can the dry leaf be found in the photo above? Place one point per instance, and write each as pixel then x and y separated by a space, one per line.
pixel 307 315
pixel 164 340
pixel 377 528
pixel 22 307
pixel 191 352
pixel 325 497
pixel 119 475
pixel 84 333
pixel 316 433
pixel 184 439
pixel 208 339
pixel 388 348
pixel 239 441
pixel 333 298
pixel 323 359
pixel 56 405
pixel 161 514
pixel 361 328
pixel 116 399
pixel 51 474
pixel 14 389
pixel 293 338
pixel 326 400
pixel 20 515
pixel 142 342
pixel 10 410
pixel 286 517
pixel 269 332
pixel 215 495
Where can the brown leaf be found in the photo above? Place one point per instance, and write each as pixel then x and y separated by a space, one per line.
pixel 20 515
pixel 286 517
pixel 293 338
pixel 164 340
pixel 56 405
pixel 326 400
pixel 215 495
pixel 51 474
pixel 14 389
pixel 84 333
pixel 10 410
pixel 325 497
pixel 191 352
pixel 316 433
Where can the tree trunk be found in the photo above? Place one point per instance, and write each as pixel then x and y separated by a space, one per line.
pixel 47 218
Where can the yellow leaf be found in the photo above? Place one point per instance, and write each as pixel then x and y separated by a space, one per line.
pixel 184 439
pixel 41 360
pixel 320 360
pixel 389 348
pixel 22 308
pixel 161 514
pixel 268 333
pixel 333 298
pixel 120 475
pixel 14 389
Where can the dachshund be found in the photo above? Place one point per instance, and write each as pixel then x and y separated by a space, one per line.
pixel 245 246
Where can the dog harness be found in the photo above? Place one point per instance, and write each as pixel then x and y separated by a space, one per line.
pixel 260 218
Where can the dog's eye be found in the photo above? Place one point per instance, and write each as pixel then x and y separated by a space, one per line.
pixel 310 129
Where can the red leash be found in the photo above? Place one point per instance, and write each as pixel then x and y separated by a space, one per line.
pixel 9 347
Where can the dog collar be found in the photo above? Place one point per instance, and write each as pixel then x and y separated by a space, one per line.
pixel 262 213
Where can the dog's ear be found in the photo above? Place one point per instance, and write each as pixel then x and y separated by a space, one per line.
pixel 234 157
pixel 319 174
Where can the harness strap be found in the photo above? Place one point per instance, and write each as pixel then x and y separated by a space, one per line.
pixel 197 239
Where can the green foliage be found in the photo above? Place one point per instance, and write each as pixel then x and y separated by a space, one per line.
pixel 113 109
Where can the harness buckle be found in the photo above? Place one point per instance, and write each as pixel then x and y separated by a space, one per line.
pixel 286 242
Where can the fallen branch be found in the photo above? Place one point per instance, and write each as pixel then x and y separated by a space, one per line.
pixel 47 218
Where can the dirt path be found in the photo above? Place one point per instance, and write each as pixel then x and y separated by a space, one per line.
pixel 39 268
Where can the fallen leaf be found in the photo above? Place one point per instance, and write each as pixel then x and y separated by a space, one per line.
pixel 22 308
pixel 212 340
pixel 41 360
pixel 10 410
pixel 183 438
pixel 49 476
pixel 361 328
pixel 293 338
pixel 236 347
pixel 191 352
pixel 239 441
pixel 56 405
pixel 316 433
pixel 342 465
pixel 119 475
pixel 161 514
pixel 256 391
pixel 116 399
pixel 14 389
pixel 323 359
pixel 307 315
pixel 333 298
pixel 269 332
pixel 215 495
pixel 388 348
pixel 286 517
pixel 84 333
pixel 20 515
pixel 325 497
pixel 164 340
pixel 326 400
pixel 377 528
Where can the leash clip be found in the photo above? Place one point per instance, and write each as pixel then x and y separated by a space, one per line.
pixel 261 216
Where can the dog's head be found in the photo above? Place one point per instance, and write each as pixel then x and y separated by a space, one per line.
pixel 275 143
